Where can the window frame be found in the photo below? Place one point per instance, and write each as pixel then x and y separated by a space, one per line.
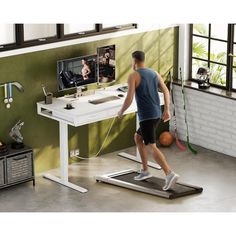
pixel 10 46
pixel 60 36
pixel 80 33
pixel 39 41
pixel 118 27
pixel 229 59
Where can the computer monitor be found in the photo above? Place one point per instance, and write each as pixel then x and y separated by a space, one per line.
pixel 106 64
pixel 75 72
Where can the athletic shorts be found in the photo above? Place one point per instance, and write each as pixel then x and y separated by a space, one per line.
pixel 147 130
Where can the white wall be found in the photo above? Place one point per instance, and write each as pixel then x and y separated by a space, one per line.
pixel 211 119
pixel 183 49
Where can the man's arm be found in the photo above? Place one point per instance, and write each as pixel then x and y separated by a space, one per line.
pixel 164 89
pixel 130 95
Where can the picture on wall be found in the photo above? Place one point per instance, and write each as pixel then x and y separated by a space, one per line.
pixel 106 64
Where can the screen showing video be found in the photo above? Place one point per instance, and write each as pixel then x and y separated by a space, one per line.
pixel 106 64
pixel 75 72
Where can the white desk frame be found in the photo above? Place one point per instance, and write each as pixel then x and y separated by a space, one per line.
pixel 84 113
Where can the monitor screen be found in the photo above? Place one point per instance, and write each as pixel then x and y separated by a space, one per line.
pixel 75 72
pixel 106 64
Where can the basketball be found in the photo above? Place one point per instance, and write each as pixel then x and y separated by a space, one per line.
pixel 166 139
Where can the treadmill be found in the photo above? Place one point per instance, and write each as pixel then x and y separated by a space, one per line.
pixel 151 186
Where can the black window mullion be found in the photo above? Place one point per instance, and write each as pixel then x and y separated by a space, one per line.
pixel 98 27
pixel 19 30
pixel 200 36
pixel 232 51
pixel 208 37
pixel 190 71
pixel 209 45
pixel 60 31
pixel 206 60
pixel 229 58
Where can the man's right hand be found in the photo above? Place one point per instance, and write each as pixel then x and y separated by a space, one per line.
pixel 166 115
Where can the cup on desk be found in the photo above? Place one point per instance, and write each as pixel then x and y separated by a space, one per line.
pixel 48 98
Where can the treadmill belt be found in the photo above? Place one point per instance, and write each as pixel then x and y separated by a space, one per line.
pixel 152 185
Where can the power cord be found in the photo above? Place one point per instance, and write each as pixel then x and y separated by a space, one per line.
pixel 107 135
pixel 101 148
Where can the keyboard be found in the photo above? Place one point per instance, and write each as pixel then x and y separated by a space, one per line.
pixel 102 100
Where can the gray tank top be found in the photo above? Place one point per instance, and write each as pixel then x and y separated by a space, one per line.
pixel 146 94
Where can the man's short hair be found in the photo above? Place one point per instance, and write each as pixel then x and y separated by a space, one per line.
pixel 139 56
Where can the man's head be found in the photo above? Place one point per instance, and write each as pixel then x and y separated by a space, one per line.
pixel 138 59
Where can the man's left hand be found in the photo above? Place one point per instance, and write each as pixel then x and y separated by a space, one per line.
pixel 120 114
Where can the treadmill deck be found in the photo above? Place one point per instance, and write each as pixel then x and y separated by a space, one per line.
pixel 152 185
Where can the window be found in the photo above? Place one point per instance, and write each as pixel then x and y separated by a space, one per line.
pixel 39 31
pixel 7 34
pixel 14 36
pixel 78 28
pixel 212 46
pixel 109 26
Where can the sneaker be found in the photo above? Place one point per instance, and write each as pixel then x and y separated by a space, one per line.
pixel 171 179
pixel 143 175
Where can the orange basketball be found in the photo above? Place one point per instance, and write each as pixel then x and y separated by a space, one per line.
pixel 166 139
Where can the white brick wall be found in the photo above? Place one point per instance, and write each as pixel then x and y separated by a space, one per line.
pixel 211 119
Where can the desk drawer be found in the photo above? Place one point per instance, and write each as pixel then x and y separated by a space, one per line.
pixel 2 172
pixel 19 167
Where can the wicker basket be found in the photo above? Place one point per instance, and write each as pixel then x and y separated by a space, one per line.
pixel 2 172
pixel 19 167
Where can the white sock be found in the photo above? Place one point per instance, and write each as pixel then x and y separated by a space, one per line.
pixel 170 174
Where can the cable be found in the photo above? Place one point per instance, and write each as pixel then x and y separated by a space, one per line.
pixel 108 132
pixel 107 135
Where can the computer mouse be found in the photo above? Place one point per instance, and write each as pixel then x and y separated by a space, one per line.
pixel 69 106
pixel 121 95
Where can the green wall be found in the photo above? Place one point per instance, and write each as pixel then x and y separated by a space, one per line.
pixel 37 68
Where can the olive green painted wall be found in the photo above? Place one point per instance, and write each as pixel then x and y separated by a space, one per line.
pixel 37 68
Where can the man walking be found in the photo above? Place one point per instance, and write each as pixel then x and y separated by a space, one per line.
pixel 144 83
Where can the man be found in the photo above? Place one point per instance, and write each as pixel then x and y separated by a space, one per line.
pixel 144 84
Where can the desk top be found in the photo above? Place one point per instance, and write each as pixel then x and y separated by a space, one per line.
pixel 85 112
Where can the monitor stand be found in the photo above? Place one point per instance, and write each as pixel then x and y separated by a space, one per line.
pixel 81 91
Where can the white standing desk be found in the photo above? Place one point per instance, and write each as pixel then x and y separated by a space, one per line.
pixel 82 114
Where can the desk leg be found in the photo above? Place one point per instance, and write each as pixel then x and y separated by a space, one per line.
pixel 64 151
pixel 63 180
pixel 137 157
